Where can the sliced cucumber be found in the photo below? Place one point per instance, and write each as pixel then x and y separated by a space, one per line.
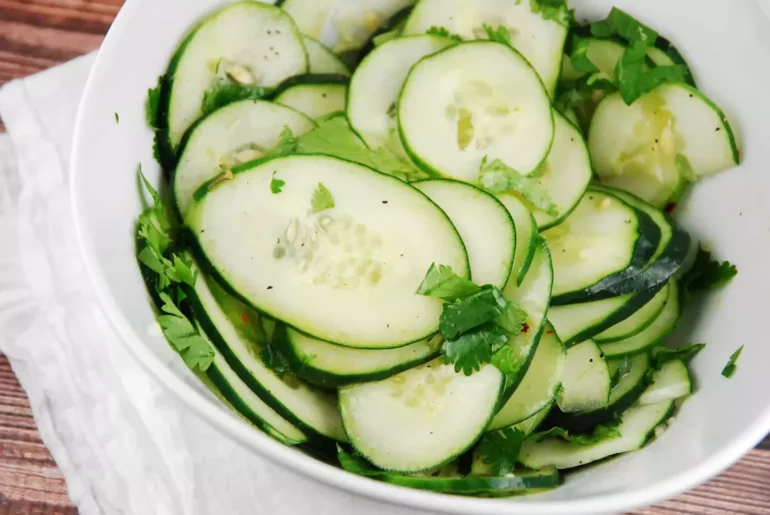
pixel 586 380
pixel 664 53
pixel 321 60
pixel 539 386
pixel 672 381
pixel 490 245
pixel 518 483
pixel 309 409
pixel 421 418
pixel 577 322
pixel 565 173
pixel 531 425
pixel 330 366
pixel 637 322
pixel 255 44
pixel 526 236
pixel 654 334
pixel 540 40
pixel 476 113
pixel 314 95
pixel 626 392
pixel 636 428
pixel 309 15
pixel 602 240
pixel 357 264
pixel 229 136
pixel 668 136
pixel 376 85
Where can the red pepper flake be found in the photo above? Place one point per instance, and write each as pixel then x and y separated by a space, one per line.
pixel 549 332
pixel 245 318
pixel 525 328
pixel 670 207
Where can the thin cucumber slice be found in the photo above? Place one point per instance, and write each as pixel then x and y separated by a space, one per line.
pixel 526 236
pixel 235 134
pixel 307 408
pixel 531 425
pixel 255 44
pixel 517 483
pixel 637 322
pixel 331 366
pixel 475 114
pixel 314 95
pixel 566 172
pixel 664 53
pixel 586 380
pixel 672 134
pixel 309 15
pixel 672 381
pixel 421 418
pixel 663 325
pixel 625 393
pixel 376 85
pixel 357 263
pixel 321 60
pixel 540 385
pixel 540 40
pixel 603 238
pixel 636 428
pixel 577 322
pixel 490 245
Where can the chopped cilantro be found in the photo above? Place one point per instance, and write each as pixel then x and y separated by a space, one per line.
pixel 443 283
pixel 152 105
pixel 473 310
pixel 322 199
pixel 497 177
pixel 276 185
pixel 356 464
pixel 601 432
pixel 512 319
pixel 661 355
pixel 155 224
pixel 287 143
pixel 634 81
pixel 220 95
pixel 501 34
pixel 627 27
pixel 556 10
pixel 601 29
pixel 184 337
pixel 707 274
pixel 731 366
pixel 474 348
pixel 443 32
pixel 500 450
pixel 117 118
pixel 579 55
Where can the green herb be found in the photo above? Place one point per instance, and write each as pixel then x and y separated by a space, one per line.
pixel 443 32
pixel 512 319
pixel 287 143
pixel 627 27
pixel 117 118
pixel 184 337
pixel 601 29
pixel 601 432
pixel 220 95
pixel 553 10
pixel 322 199
pixel 497 177
pixel 579 55
pixel 155 224
pixel 393 111
pixel 274 360
pixel 729 369
pixel 276 184
pixel 661 355
pixel 443 283
pixel 355 463
pixel 707 274
pixel 152 105
pixel 485 305
pixel 500 450
pixel 474 348
pixel 501 34
pixel 634 81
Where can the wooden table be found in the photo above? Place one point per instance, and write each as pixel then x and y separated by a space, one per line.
pixel 37 34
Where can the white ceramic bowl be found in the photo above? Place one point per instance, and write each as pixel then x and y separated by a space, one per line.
pixel 727 43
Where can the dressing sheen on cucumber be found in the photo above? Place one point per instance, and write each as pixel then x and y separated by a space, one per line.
pixel 438 235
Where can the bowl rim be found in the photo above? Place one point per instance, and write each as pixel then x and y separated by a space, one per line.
pixel 311 468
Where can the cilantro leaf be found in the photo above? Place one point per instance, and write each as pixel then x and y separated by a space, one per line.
pixel 184 337
pixel 634 81
pixel 500 450
pixel 661 355
pixel 512 319
pixel 627 27
pixel 154 225
pixel 474 348
pixel 222 94
pixel 553 10
pixel 579 55
pixel 152 104
pixel 184 270
pixel 287 143
pixel 501 34
pixel 442 282
pixel 471 311
pixel 497 177
pixel 731 366
pixel 600 432
pixel 356 464
pixel 276 185
pixel 601 29
pixel 707 274
pixel 322 199
pixel 274 360
pixel 443 32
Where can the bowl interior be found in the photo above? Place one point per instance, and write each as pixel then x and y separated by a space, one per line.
pixel 726 43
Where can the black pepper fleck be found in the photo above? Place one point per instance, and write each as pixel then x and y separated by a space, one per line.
pixel 269 287
pixel 591 360
pixel 384 201
pixel 717 129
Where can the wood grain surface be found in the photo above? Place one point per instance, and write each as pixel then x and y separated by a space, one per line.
pixel 38 34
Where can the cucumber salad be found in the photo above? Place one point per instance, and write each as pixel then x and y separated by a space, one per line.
pixel 437 248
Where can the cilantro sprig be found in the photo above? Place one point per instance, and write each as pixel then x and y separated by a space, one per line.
pixel 322 199
pixel 184 336
pixel 501 34
pixel 443 32
pixel 707 274
pixel 499 450
pixel 731 366
pixel 441 282
pixel 497 177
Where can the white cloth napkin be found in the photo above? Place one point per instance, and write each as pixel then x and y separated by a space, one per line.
pixel 124 444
